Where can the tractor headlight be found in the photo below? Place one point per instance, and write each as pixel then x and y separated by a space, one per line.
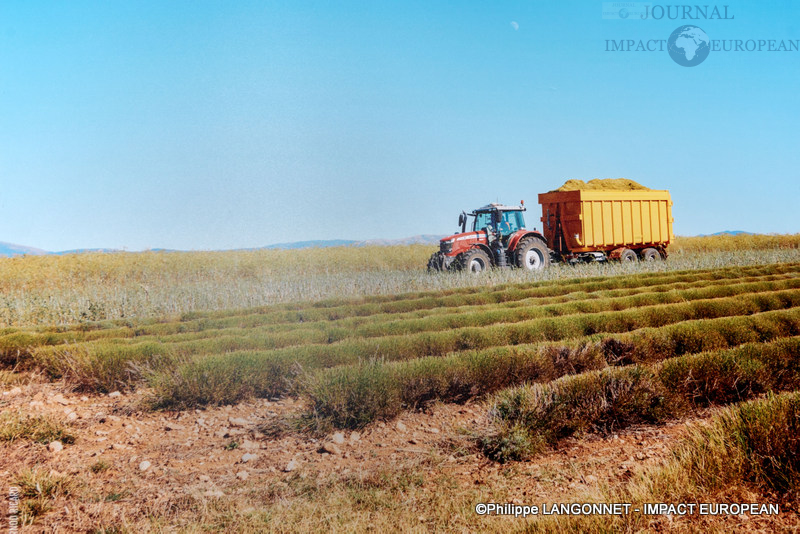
pixel 446 246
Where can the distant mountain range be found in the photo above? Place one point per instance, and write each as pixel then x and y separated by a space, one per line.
pixel 425 239
pixel 728 232
pixel 82 250
pixel 317 243
pixel 10 249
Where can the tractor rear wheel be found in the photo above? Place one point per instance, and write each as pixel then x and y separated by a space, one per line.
pixel 474 260
pixel 651 254
pixel 532 255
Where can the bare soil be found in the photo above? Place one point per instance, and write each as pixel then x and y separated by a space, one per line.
pixel 130 466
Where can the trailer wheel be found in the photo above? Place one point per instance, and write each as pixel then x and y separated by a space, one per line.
pixel 532 255
pixel 628 255
pixel 475 261
pixel 650 254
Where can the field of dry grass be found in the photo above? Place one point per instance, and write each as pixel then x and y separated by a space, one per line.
pixel 349 390
pixel 58 290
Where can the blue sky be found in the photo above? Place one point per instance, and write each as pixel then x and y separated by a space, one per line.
pixel 209 125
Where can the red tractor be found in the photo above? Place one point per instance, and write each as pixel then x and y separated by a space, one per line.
pixel 498 239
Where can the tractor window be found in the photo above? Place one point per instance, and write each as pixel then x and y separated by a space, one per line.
pixel 510 222
pixel 482 220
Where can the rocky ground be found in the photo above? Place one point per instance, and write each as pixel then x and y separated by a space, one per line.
pixel 130 469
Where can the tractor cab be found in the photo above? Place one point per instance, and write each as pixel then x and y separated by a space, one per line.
pixel 499 219
pixel 496 220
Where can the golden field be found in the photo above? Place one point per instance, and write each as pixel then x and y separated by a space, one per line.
pixel 92 287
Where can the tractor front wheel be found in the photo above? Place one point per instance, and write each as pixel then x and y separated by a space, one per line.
pixel 474 260
pixel 433 263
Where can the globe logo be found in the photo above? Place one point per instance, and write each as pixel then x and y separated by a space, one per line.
pixel 623 13
pixel 688 46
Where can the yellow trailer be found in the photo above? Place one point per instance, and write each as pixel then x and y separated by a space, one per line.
pixel 593 224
